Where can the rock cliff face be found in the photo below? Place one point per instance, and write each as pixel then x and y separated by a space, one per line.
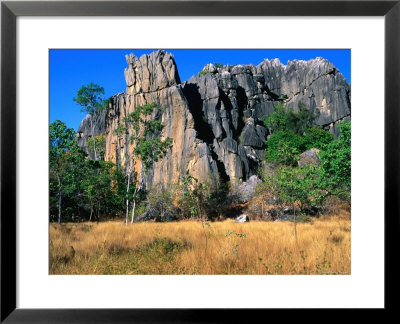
pixel 215 119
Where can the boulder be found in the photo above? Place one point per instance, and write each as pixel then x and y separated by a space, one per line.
pixel 242 219
pixel 310 156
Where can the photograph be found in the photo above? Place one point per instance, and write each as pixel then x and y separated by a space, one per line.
pixel 199 161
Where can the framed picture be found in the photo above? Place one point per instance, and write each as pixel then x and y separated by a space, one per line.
pixel 370 29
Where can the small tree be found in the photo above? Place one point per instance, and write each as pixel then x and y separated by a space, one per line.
pixel 66 161
pixel 100 144
pixel 161 198
pixel 193 200
pixel 284 118
pixel 317 137
pixel 90 98
pixel 143 133
pixel 297 186
pixel 101 187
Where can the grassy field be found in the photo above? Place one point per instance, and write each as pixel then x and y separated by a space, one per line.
pixel 184 247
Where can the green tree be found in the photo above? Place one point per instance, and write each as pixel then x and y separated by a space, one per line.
pixel 284 146
pixel 296 186
pixel 336 164
pixel 278 119
pixel 317 137
pixel 161 198
pixel 90 97
pixel 66 160
pixel 284 118
pixel 194 200
pixel 143 131
pixel 100 145
pixel 102 186
pixel 301 120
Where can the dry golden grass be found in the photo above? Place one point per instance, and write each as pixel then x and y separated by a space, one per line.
pixel 323 247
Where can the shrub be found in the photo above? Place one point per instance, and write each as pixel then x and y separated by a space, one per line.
pixel 162 199
pixel 284 146
pixel 284 118
pixel 204 199
pixel 336 164
pixel 203 72
pixel 317 137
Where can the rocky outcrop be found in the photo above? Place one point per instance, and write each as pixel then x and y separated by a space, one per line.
pixel 242 219
pixel 216 119
pixel 98 120
pixel 153 79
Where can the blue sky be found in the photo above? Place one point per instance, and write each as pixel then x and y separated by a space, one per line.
pixel 70 69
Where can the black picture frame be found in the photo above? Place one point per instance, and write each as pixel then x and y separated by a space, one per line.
pixel 10 10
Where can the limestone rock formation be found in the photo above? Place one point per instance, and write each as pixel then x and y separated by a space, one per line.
pixel 216 119
pixel 84 130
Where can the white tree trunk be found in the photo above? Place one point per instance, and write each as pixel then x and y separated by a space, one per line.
pixel 127 197
pixel 133 208
pixel 94 139
pixel 59 199
pixel 59 207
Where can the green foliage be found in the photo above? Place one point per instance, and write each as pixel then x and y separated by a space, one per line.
pixel 286 119
pixel 292 134
pixel 151 150
pixel 120 129
pixel 310 184
pixel 197 199
pixel 146 137
pixel 66 160
pixel 336 164
pixel 232 236
pixel 229 233
pixel 61 138
pixel 203 72
pixel 298 185
pixel 317 137
pixel 102 187
pixel 82 184
pixel 278 119
pixel 218 65
pixel 98 187
pixel 90 98
pixel 100 145
pixel 284 146
pixel 188 196
pixel 304 118
pixel 162 199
